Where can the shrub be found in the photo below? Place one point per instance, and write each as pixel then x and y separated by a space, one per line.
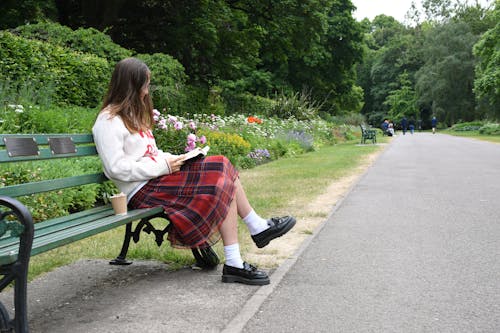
pixel 246 103
pixel 56 203
pixel 469 126
pixel 233 146
pixel 19 118
pixel 490 129
pixel 86 40
pixel 167 81
pixel 296 105
pixel 77 78
pixel 176 135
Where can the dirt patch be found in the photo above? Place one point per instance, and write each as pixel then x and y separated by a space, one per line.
pixel 309 216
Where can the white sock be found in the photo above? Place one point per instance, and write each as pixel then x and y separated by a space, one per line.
pixel 233 255
pixel 255 223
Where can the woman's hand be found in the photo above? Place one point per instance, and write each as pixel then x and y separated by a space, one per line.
pixel 175 162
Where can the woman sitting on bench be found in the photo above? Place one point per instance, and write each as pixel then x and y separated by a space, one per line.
pixel 201 197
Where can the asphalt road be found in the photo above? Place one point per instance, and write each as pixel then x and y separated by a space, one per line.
pixel 413 247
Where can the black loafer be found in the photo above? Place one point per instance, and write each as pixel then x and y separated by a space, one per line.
pixel 278 226
pixel 248 275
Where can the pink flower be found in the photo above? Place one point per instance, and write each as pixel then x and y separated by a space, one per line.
pixel 172 119
pixel 202 140
pixel 156 115
pixel 191 138
pixel 190 146
pixel 163 124
pixel 178 125
pixel 192 125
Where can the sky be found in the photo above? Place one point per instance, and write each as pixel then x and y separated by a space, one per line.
pixel 372 8
pixel 394 8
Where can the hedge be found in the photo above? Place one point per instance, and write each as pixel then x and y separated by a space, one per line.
pixel 75 78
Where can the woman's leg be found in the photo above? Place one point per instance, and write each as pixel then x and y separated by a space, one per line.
pixel 254 222
pixel 229 228
pixel 235 269
pixel 242 203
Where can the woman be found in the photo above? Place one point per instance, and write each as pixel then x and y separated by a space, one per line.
pixel 202 197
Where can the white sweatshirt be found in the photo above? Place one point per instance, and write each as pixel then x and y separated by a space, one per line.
pixel 129 160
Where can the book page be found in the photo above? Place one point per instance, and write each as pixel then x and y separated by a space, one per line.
pixel 196 152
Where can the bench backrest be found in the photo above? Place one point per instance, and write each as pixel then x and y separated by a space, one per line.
pixel 32 147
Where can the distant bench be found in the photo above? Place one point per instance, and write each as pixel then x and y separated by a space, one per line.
pixel 20 238
pixel 368 134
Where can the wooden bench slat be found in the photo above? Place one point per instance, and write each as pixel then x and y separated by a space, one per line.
pixel 46 154
pixel 52 184
pixel 60 223
pixel 74 230
pixel 43 138
pixel 45 243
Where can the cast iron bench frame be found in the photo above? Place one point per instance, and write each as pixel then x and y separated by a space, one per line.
pixel 368 134
pixel 20 238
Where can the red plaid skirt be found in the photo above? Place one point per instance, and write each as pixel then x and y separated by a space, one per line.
pixel 196 199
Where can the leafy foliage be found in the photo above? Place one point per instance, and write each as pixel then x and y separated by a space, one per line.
pixel 76 78
pixel 167 80
pixel 487 80
pixel 86 40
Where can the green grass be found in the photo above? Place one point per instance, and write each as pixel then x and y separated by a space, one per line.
pixel 474 135
pixel 273 188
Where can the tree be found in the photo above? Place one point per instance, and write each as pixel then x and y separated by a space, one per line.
pixel 309 45
pixel 390 50
pixel 487 80
pixel 19 12
pixel 445 81
pixel 402 101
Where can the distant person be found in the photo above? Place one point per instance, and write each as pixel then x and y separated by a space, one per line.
pixel 411 125
pixel 404 125
pixel 390 129
pixel 434 124
pixel 385 127
pixel 419 125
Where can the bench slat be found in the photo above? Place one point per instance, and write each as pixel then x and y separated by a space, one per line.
pixel 60 223
pixel 46 153
pixel 52 184
pixel 68 232
pixel 43 138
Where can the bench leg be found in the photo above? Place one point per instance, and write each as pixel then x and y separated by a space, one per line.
pixel 206 258
pixel 20 299
pixel 120 260
pixel 14 214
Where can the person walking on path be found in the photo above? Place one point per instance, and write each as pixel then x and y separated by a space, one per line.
pixel 201 197
pixel 412 125
pixel 433 125
pixel 404 125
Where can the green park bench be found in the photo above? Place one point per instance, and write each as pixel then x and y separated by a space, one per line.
pixel 368 134
pixel 20 238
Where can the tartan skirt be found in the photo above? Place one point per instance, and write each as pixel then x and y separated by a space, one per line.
pixel 195 199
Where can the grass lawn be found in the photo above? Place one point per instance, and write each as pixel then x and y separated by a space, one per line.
pixel 474 135
pixel 273 189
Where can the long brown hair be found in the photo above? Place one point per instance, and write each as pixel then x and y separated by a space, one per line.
pixel 123 98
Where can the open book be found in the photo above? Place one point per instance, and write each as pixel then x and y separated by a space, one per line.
pixel 196 152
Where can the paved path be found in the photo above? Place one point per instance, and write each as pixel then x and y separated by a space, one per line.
pixel 415 247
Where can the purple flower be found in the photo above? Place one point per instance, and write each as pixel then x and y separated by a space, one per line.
pixel 190 146
pixel 202 140
pixel 178 125
pixel 172 119
pixel 156 115
pixel 162 123
pixel 192 125
pixel 191 138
